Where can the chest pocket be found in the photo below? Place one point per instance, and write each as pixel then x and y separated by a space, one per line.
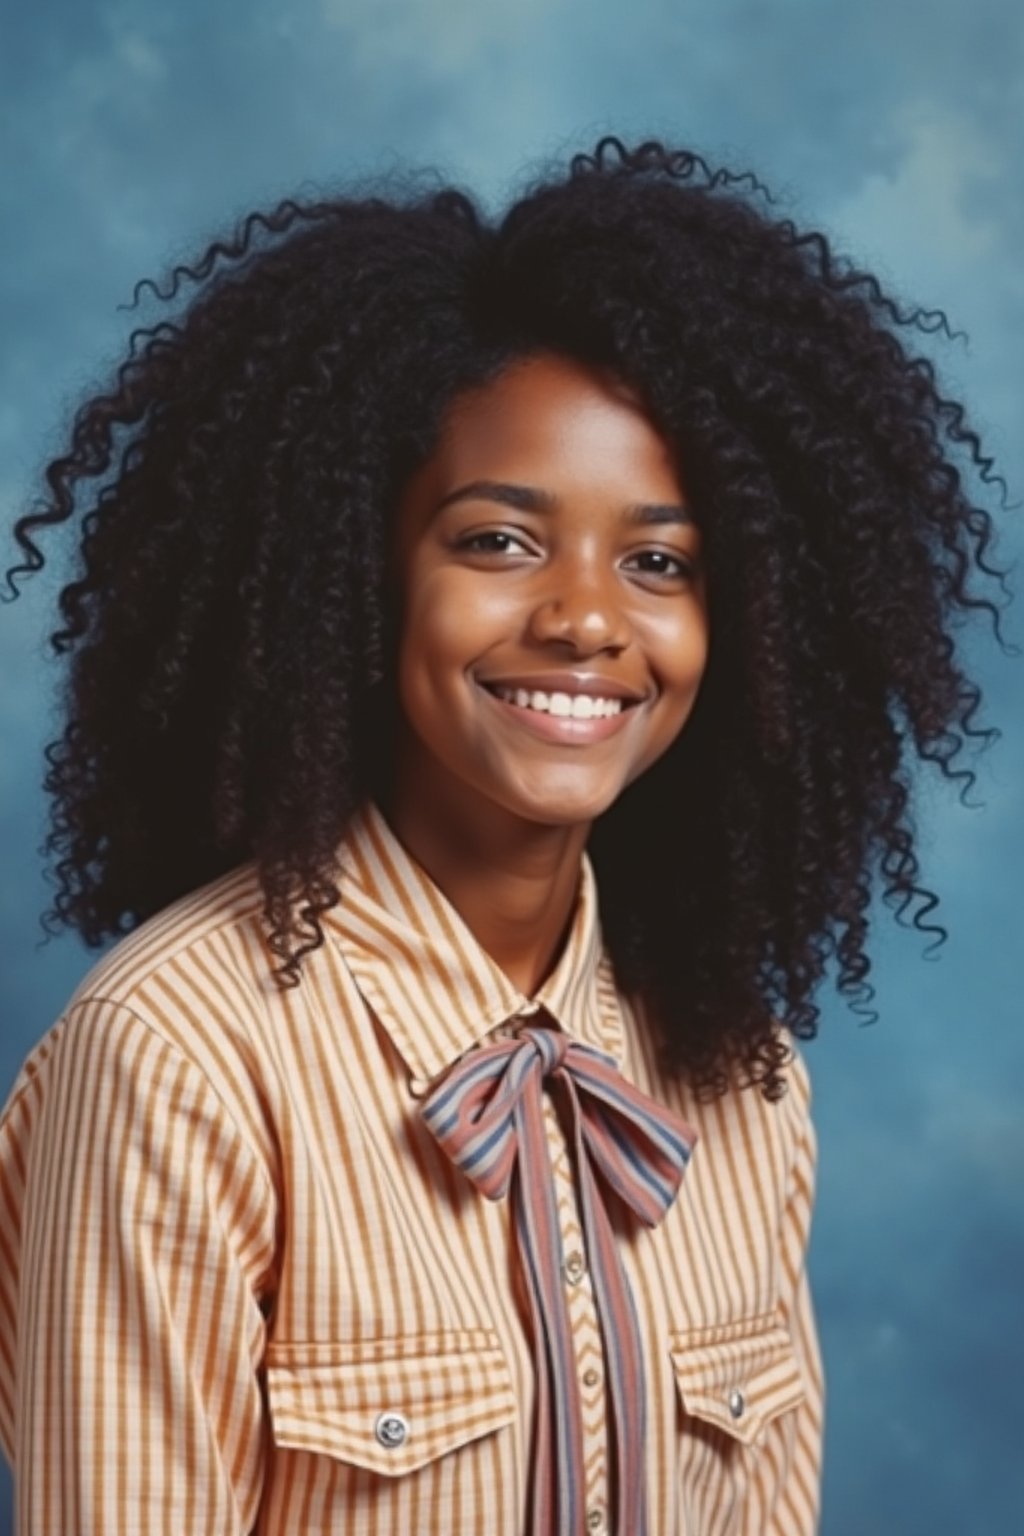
pixel 388 1406
pixel 739 1383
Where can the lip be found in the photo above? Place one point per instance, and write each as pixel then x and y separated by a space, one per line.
pixel 590 683
pixel 560 729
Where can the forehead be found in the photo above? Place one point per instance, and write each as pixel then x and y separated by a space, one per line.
pixel 556 418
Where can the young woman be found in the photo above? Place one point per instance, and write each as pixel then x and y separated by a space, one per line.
pixel 496 658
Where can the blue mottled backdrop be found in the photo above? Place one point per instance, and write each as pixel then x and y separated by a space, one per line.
pixel 132 129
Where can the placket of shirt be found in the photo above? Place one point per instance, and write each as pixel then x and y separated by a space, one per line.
pixel 583 1317
pixel 586 1332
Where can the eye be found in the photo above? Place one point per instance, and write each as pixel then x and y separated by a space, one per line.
pixel 491 541
pixel 663 565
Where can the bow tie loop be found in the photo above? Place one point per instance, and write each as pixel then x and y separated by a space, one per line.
pixel 639 1147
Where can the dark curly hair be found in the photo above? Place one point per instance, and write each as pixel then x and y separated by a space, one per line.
pixel 229 634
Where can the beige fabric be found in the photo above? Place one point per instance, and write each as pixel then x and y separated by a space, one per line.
pixel 228 1247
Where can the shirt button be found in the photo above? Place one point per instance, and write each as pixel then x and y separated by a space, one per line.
pixel 737 1403
pixel 574 1267
pixel 595 1519
pixel 591 1377
pixel 391 1430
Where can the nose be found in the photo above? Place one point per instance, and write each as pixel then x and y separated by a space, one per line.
pixel 584 613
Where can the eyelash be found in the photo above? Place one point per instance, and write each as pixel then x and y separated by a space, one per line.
pixel 685 568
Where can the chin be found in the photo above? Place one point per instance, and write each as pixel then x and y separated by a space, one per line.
pixel 555 810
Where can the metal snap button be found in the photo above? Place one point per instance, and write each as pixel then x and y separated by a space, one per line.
pixel 736 1403
pixel 591 1377
pixel 574 1267
pixel 595 1519
pixel 391 1429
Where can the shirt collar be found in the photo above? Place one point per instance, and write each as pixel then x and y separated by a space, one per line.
pixel 425 976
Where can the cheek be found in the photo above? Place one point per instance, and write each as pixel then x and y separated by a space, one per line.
pixel 445 631
pixel 678 648
pixel 453 618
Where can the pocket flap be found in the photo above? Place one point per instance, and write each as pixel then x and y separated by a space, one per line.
pixel 389 1405
pixel 739 1382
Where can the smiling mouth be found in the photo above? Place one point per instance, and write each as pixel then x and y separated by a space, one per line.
pixel 553 718
pixel 560 706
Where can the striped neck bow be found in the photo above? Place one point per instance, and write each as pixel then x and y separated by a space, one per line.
pixel 486 1112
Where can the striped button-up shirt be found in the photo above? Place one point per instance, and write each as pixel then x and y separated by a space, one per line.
pixel 243 1290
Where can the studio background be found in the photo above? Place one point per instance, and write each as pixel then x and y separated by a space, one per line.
pixel 133 132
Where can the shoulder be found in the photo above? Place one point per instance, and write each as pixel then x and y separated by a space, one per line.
pixel 769 1146
pixel 185 993
pixel 750 1152
pixel 215 927
pixel 740 1108
pixel 752 1148
pixel 199 974
pixel 784 1121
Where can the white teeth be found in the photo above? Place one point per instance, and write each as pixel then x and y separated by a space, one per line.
pixel 578 706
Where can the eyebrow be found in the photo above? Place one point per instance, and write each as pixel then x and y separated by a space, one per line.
pixel 526 498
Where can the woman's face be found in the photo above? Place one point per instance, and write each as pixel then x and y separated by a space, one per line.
pixel 553 612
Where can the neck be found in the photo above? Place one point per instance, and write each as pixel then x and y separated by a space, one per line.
pixel 513 883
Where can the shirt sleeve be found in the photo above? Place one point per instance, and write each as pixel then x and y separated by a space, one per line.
pixel 135 1226
pixel 788 1492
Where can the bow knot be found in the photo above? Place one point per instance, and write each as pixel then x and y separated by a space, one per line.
pixel 552 1044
